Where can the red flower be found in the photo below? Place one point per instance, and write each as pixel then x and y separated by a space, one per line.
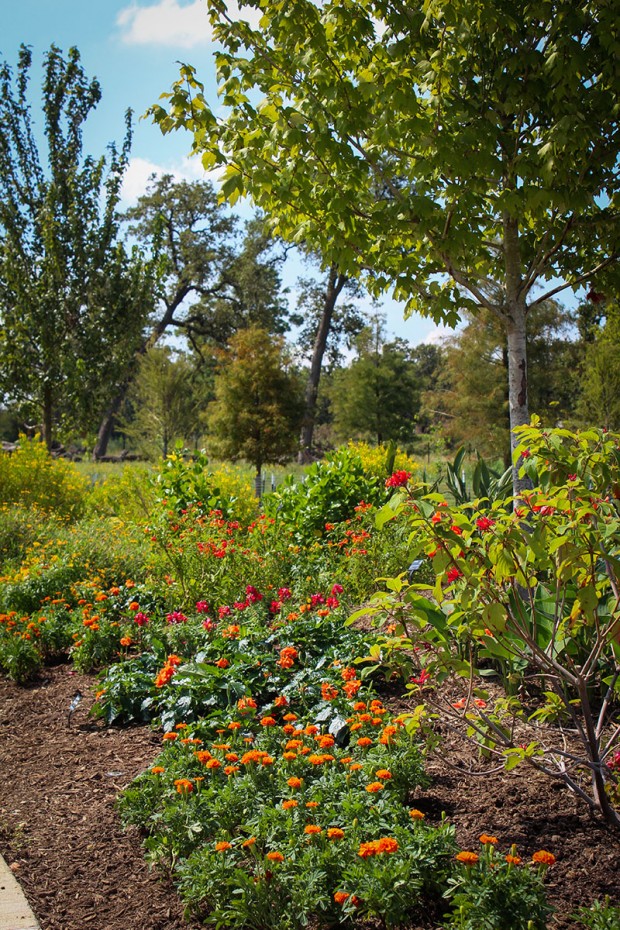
pixel 484 524
pixel 176 617
pixel 202 607
pixel 398 479
pixel 453 573
pixel 141 619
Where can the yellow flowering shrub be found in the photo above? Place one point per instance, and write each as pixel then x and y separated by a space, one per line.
pixel 31 477
pixel 374 459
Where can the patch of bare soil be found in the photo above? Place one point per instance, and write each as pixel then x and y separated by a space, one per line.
pixel 80 871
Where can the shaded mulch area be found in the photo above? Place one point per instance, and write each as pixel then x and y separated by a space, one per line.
pixel 80 871
pixel 59 830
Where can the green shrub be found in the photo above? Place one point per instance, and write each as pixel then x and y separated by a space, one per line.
pixel 329 493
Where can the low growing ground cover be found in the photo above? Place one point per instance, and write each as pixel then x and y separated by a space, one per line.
pixel 285 789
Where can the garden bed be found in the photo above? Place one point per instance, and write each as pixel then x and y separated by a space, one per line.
pixel 60 831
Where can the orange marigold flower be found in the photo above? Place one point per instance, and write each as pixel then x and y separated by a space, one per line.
pixel 383 773
pixel 287 805
pixel 387 845
pixel 328 691
pixel 335 833
pixel 374 786
pixel 311 730
pixel 267 760
pixel 487 840
pixel 214 764
pixel 158 770
pixel 312 803
pixel 367 849
pixel 222 663
pixel 356 766
pixel 245 703
pixel 183 786
pixel 289 756
pixel 341 896
pixel 249 842
pixel 203 755
pixel 290 718
pixel 416 814
pixel 268 722
pixel 282 701
pixel 223 846
pixel 234 725
pixel 312 829
pixel 364 742
pixel 231 757
pixel 231 769
pixel 294 782
pixel 170 736
pixel 542 857
pixel 468 858
pixel 125 640
pixel 513 860
pixel 275 856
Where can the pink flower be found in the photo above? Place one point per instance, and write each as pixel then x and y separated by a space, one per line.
pixel 202 607
pixel 141 619
pixel 176 617
pixel 316 599
pixel 285 594
pixel 224 611
pixel 398 479
pixel 337 589
pixel 332 602
pixel 275 606
pixel 253 595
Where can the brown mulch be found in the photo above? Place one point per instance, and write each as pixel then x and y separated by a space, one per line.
pixel 59 830
pixel 60 833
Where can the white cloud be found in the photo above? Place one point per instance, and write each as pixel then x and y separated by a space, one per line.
pixel 437 336
pixel 140 170
pixel 174 23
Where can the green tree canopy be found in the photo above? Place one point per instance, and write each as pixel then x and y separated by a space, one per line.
pixel 433 147
pixel 377 396
pixel 73 300
pixel 258 403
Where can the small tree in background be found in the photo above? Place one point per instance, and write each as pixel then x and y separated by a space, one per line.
pixel 259 401
pixel 163 401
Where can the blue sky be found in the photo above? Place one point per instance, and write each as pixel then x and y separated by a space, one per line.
pixel 133 47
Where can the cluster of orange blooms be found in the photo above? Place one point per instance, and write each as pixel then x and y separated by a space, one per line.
pixel 165 674
pixel 542 857
pixel 378 847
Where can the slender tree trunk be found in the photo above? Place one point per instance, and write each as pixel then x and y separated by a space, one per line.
pixel 48 415
pixel 107 423
pixel 516 312
pixel 335 283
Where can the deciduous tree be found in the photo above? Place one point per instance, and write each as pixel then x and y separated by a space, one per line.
pixel 73 300
pixel 434 147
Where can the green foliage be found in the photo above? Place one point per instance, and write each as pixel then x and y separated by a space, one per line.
pixel 163 405
pixel 376 397
pixel 430 150
pixel 22 527
pixel 31 477
pixel 187 482
pixel 486 484
pixel 601 916
pixel 258 407
pixel 498 894
pixel 68 286
pixel 329 492
pixel 531 594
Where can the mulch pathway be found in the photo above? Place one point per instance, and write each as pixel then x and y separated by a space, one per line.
pixel 60 833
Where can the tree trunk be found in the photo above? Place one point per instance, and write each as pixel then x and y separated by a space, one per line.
pixel 107 423
pixel 48 412
pixel 515 316
pixel 335 283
